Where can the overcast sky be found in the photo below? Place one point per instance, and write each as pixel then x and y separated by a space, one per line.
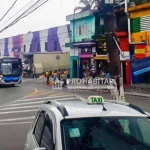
pixel 51 14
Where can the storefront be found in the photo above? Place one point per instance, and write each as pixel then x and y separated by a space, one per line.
pixel 85 59
pixel 102 63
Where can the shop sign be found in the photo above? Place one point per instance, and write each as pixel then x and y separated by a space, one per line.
pixel 124 56
pixel 147 51
pixel 86 50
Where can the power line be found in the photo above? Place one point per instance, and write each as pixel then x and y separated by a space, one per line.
pixel 8 10
pixel 18 12
pixel 23 15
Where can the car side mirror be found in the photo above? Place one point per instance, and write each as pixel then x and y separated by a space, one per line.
pixel 39 149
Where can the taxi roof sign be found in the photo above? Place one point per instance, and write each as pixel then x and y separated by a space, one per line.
pixel 95 100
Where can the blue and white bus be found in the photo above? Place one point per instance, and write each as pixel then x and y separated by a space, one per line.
pixel 10 71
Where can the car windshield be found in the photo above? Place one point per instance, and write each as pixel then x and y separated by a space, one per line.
pixel 115 133
pixel 10 68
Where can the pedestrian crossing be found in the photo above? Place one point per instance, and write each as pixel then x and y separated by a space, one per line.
pixel 23 111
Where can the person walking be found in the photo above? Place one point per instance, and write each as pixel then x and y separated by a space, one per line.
pixel 59 74
pixel 34 73
pixel 48 74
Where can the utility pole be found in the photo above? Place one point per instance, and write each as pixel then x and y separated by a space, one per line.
pixel 110 28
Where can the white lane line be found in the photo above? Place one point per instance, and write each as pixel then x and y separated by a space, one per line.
pixel 33 102
pixel 24 107
pixel 50 97
pixel 33 99
pixel 23 104
pixel 17 119
pixel 21 111
pixel 17 123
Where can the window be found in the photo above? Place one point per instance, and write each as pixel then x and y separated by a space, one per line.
pixel 55 45
pixel 39 128
pixel 38 46
pixel 47 136
pixel 80 30
pixel 144 125
pixel 85 29
pixel 32 47
pixel 24 48
pixel 77 30
pixel 46 46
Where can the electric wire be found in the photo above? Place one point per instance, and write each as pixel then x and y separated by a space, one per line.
pixel 21 16
pixel 30 2
pixel 28 11
pixel 9 10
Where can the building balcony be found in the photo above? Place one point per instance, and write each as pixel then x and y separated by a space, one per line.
pixel 139 5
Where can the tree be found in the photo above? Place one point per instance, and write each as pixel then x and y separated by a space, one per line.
pixel 87 5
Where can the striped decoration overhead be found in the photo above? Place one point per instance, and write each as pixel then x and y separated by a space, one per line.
pixel 140 24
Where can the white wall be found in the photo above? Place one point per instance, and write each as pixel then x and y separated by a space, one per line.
pixel 63 36
pixel 43 39
pixel 27 38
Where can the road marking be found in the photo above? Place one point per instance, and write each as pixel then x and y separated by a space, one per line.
pixel 28 104
pixel 19 107
pixel 40 94
pixel 35 91
pixel 17 119
pixel 58 94
pixel 21 100
pixel 21 111
pixel 67 95
pixel 15 123
pixel 24 104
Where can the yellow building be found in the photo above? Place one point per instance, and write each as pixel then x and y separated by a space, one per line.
pixel 140 29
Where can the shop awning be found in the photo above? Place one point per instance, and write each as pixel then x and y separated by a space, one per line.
pixel 84 43
pixel 141 71
pixel 101 57
pixel 85 55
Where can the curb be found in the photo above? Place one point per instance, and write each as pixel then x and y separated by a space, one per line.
pixel 138 94
pixel 138 87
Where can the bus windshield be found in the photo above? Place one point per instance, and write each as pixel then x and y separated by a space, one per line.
pixel 11 68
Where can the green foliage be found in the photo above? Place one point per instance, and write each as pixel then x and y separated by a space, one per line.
pixel 87 5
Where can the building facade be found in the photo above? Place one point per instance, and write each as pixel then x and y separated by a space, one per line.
pixel 82 26
pixel 24 46
pixel 139 37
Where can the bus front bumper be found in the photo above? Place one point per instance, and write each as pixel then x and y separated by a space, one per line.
pixel 2 81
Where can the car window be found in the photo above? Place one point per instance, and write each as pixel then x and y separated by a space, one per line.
pixel 47 136
pixel 144 125
pixel 38 130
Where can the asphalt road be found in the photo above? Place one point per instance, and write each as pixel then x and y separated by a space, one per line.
pixel 18 106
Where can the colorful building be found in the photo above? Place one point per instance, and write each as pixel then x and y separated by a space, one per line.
pixel 140 41
pixel 50 40
pixel 82 27
pixel 121 36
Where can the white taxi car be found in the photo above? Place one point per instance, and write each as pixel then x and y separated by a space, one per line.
pixel 92 124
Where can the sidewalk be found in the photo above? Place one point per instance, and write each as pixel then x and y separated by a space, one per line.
pixel 140 86
pixel 141 90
